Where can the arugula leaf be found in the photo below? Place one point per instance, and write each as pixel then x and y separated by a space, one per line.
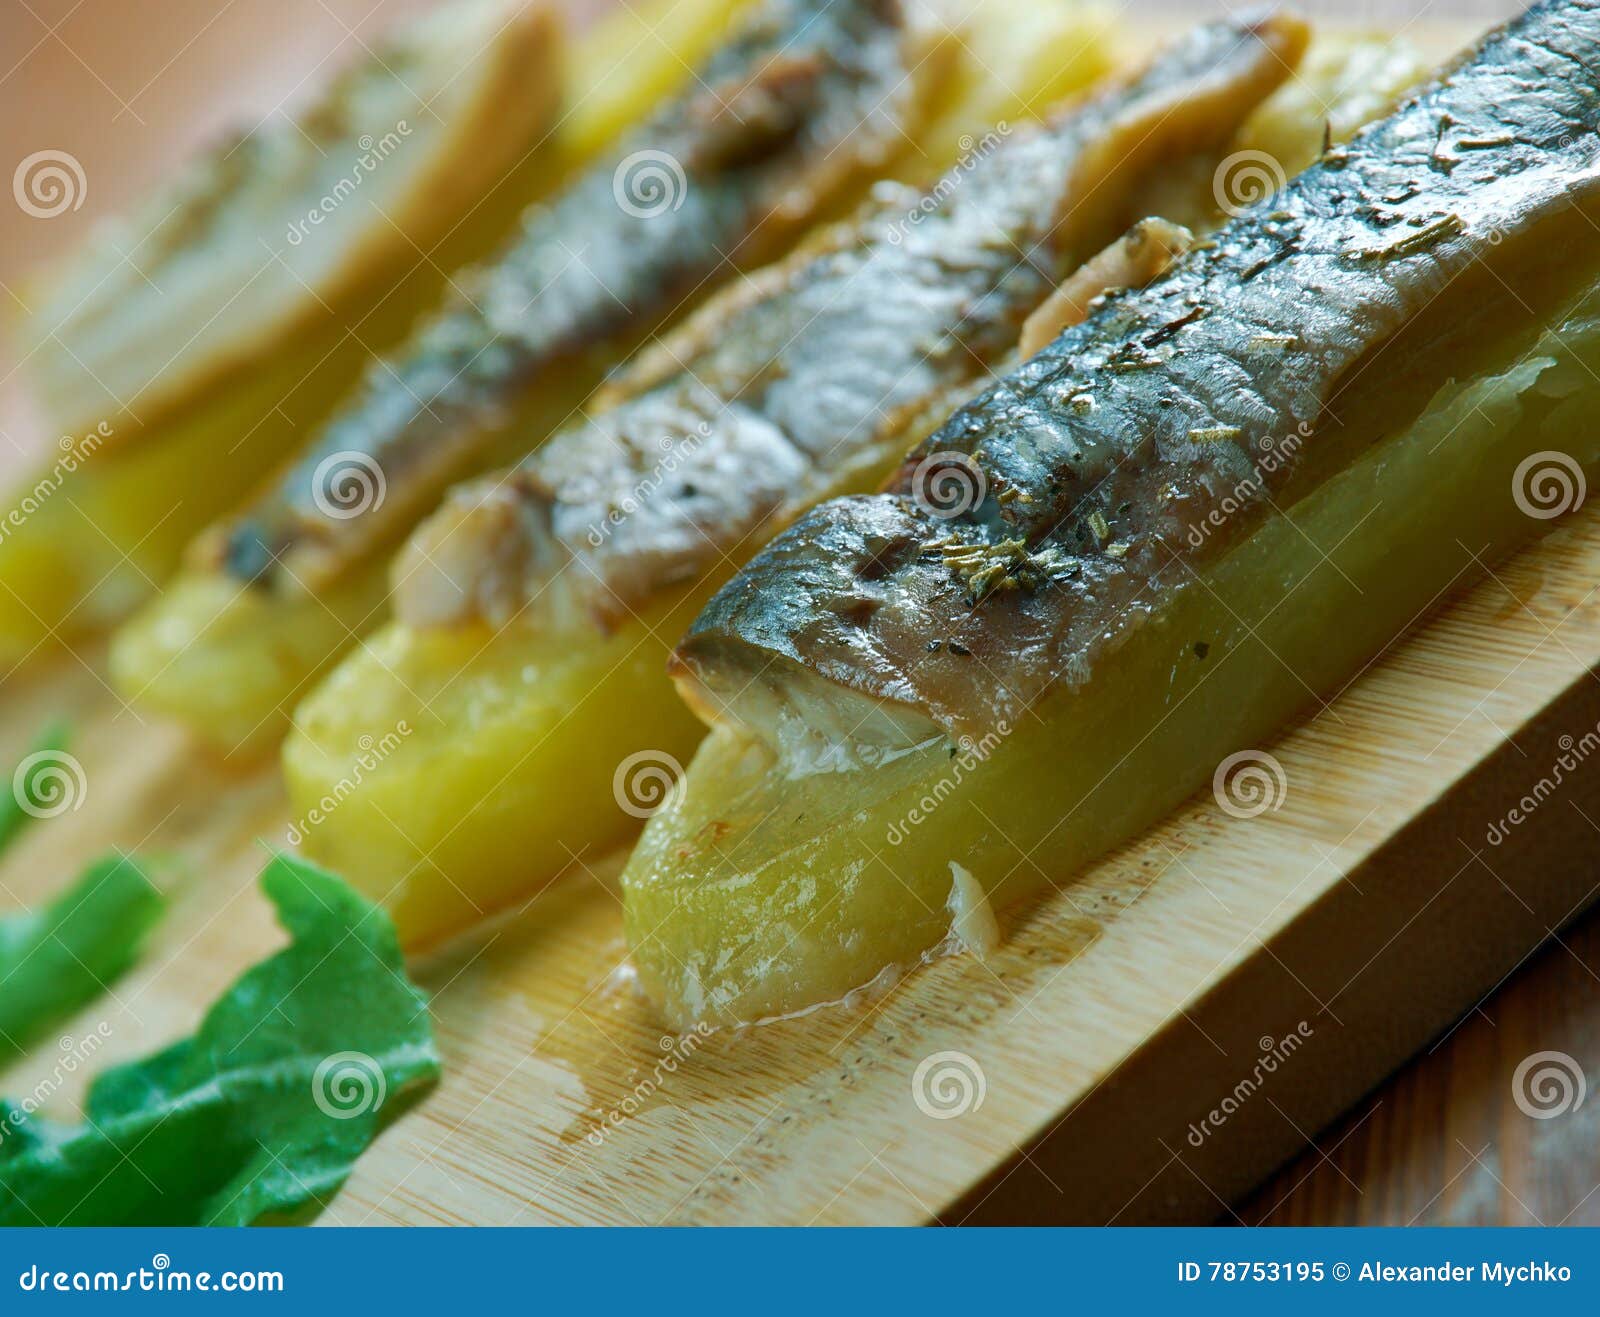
pixel 56 960
pixel 266 1107
pixel 36 787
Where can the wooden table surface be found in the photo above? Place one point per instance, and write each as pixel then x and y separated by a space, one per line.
pixel 1442 1142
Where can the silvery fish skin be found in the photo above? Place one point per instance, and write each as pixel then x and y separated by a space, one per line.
pixel 809 95
pixel 1026 538
pixel 816 377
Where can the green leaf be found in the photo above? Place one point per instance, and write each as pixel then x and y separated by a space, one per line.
pixel 265 1109
pixel 47 781
pixel 56 960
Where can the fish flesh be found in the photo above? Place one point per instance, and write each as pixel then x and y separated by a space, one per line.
pixel 810 384
pixel 788 123
pixel 810 95
pixel 439 142
pixel 1095 478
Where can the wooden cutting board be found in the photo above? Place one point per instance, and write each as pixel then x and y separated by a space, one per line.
pixel 1360 917
pixel 1294 958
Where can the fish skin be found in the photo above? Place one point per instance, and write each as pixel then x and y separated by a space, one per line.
pixel 818 377
pixel 1133 260
pixel 808 94
pixel 1224 389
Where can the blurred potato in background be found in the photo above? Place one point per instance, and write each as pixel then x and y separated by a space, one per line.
pixel 130 92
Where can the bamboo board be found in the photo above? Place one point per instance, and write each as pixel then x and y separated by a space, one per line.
pixel 1365 913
